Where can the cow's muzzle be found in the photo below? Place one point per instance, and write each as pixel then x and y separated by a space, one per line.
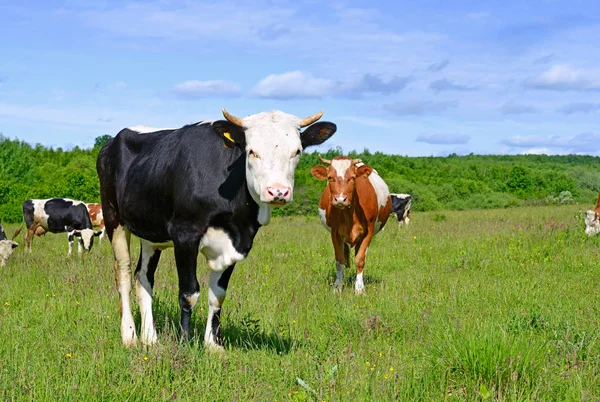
pixel 278 194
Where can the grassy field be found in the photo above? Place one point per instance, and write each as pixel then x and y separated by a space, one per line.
pixel 476 305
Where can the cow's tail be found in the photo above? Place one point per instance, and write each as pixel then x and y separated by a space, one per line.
pixel 347 254
pixel 17 231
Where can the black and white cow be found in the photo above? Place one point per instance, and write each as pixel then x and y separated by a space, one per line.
pixel 401 207
pixel 58 215
pixel 206 187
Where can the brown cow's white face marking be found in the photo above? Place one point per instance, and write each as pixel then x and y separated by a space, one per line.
pixel 592 223
pixel 341 177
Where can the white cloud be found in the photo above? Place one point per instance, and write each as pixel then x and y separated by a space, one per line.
pixel 537 151
pixel 198 89
pixel 419 107
pixel 564 78
pixel 294 84
pixel 366 121
pixel 446 139
pixel 584 142
pixel 445 85
pixel 517 108
pixel 435 67
pixel 579 107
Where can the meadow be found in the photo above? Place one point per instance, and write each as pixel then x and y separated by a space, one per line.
pixel 498 304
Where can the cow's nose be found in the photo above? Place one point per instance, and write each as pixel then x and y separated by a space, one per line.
pixel 278 193
pixel 341 199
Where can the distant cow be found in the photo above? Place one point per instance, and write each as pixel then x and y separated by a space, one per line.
pixel 401 207
pixel 6 245
pixel 355 205
pixel 97 218
pixel 59 215
pixel 206 187
pixel 592 220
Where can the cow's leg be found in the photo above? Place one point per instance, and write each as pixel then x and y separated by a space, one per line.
pixel 29 238
pixel 186 242
pixel 217 290
pixel 70 238
pixel 144 282
pixel 120 243
pixel 361 256
pixel 340 261
pixel 79 246
pixel 102 234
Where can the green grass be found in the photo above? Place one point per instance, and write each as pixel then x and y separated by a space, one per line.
pixel 474 305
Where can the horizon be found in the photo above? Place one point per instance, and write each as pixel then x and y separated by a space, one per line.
pixel 424 79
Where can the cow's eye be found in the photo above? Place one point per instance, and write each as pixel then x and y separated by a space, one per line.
pixel 253 154
pixel 351 179
pixel 298 152
pixel 331 178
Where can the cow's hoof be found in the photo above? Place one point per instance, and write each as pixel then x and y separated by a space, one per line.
pixel 360 291
pixel 214 348
pixel 337 290
pixel 130 343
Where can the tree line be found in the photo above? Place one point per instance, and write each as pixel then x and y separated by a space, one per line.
pixel 436 183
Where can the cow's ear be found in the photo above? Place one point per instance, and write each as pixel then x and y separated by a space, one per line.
pixel 69 229
pixel 364 170
pixel 317 134
pixel 319 172
pixel 98 233
pixel 232 134
pixel 15 244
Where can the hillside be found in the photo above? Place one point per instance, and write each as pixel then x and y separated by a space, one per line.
pixel 437 183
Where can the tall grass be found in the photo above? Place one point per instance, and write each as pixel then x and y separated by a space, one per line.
pixel 472 305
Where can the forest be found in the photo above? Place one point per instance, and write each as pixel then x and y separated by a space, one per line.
pixel 436 183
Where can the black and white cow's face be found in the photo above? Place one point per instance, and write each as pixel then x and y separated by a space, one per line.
pixel 273 144
pixel 592 223
pixel 86 237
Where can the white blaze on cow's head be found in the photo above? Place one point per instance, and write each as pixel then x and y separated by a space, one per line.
pixel 341 175
pixel 592 223
pixel 273 144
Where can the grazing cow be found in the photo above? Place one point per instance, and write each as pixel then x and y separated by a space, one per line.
pixel 401 207
pixel 205 187
pixel 592 220
pixel 6 246
pixel 95 211
pixel 58 215
pixel 355 205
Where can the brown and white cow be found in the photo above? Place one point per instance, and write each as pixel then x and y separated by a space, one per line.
pixel 592 220
pixel 354 206
pixel 97 218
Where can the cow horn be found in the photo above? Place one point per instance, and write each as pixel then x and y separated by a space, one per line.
pixel 307 121
pixel 326 161
pixel 233 119
pixel 355 161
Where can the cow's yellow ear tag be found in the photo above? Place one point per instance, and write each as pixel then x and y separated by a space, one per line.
pixel 226 144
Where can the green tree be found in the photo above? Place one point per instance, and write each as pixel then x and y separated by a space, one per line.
pixel 101 140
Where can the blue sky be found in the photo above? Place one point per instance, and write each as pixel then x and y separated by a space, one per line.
pixel 402 77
